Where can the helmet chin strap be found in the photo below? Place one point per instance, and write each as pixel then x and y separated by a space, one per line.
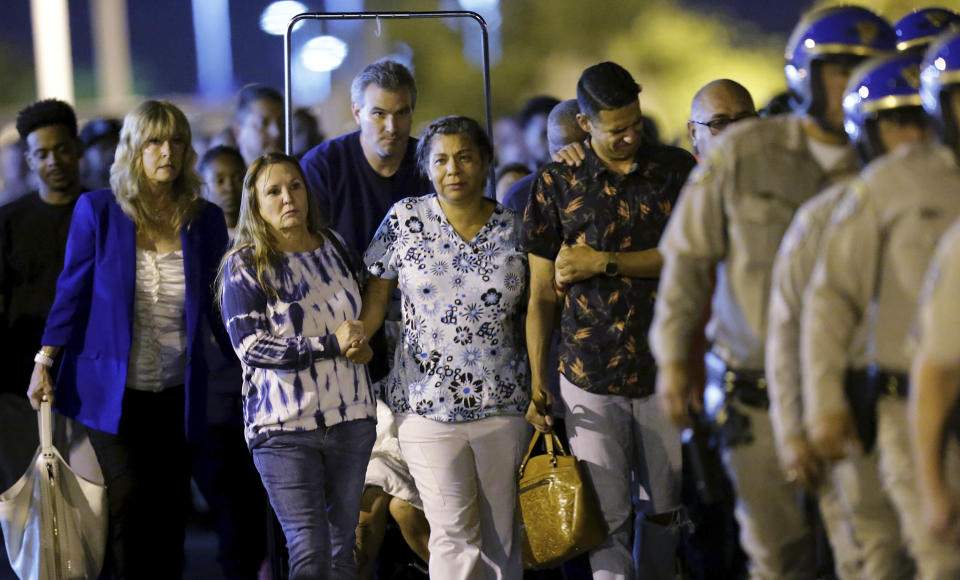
pixel 817 128
pixel 836 132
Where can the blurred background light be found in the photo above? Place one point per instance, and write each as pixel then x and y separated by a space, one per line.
pixel 477 5
pixel 51 41
pixel 489 9
pixel 323 53
pixel 277 15
pixel 211 25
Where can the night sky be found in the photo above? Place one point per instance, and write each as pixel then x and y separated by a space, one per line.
pixel 162 65
pixel 162 43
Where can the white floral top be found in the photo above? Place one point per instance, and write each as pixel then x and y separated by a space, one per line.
pixel 461 356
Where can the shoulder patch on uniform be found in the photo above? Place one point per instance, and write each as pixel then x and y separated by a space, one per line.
pixel 849 205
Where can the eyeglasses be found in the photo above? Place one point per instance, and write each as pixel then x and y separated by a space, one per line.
pixel 721 123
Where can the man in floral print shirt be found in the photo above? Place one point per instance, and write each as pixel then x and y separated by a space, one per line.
pixel 591 233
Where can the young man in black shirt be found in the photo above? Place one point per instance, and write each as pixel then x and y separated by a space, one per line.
pixel 33 238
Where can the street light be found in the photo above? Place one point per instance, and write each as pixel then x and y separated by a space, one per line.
pixel 323 53
pixel 276 15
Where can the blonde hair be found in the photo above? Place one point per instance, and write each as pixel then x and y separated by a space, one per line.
pixel 255 244
pixel 154 120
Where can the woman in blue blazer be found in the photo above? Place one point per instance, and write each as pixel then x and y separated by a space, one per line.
pixel 124 335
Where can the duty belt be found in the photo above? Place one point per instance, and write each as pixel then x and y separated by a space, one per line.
pixel 749 387
pixel 889 383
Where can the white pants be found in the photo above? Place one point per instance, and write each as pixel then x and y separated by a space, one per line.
pixel 936 560
pixel 858 500
pixel 633 455
pixel 847 552
pixel 773 530
pixel 466 474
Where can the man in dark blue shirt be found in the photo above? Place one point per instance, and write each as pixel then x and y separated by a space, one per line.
pixel 358 176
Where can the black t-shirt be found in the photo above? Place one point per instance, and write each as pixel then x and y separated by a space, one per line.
pixel 33 239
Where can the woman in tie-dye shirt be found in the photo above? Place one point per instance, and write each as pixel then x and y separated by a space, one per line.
pixel 290 302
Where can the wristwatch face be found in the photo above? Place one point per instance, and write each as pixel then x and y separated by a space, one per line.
pixel 611 269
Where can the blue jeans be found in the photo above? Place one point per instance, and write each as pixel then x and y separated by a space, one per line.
pixel 314 480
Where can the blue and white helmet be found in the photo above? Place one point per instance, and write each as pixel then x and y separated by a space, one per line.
pixel 939 73
pixel 830 33
pixel 880 84
pixel 918 29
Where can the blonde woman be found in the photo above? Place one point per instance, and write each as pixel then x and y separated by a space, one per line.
pixel 123 337
pixel 290 303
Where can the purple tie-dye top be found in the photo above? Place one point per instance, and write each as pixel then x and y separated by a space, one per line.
pixel 294 377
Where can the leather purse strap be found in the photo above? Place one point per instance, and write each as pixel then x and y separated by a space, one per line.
pixel 554 448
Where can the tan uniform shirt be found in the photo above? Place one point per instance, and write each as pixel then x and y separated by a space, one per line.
pixel 872 263
pixel 733 212
pixel 792 270
pixel 939 313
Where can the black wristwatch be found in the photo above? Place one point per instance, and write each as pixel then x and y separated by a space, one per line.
pixel 611 269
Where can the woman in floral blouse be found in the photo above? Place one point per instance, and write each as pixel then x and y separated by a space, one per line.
pixel 459 386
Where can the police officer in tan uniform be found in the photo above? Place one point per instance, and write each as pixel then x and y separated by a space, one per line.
pixel 732 215
pixel 935 375
pixel 870 271
pixel 935 378
pixel 882 113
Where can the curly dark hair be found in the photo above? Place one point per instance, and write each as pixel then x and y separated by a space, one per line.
pixel 217 151
pixel 452 125
pixel 45 113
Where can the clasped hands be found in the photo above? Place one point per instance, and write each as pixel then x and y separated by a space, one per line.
pixel 578 262
pixel 353 342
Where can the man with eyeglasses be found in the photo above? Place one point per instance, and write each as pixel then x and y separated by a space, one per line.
pixel 730 218
pixel 716 106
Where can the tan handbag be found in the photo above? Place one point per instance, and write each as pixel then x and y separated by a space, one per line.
pixel 558 506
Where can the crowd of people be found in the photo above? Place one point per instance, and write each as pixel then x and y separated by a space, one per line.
pixel 354 332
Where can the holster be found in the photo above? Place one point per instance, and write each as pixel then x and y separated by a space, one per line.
pixel 861 392
pixel 723 384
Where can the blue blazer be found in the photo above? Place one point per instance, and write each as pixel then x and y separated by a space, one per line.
pixel 92 314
